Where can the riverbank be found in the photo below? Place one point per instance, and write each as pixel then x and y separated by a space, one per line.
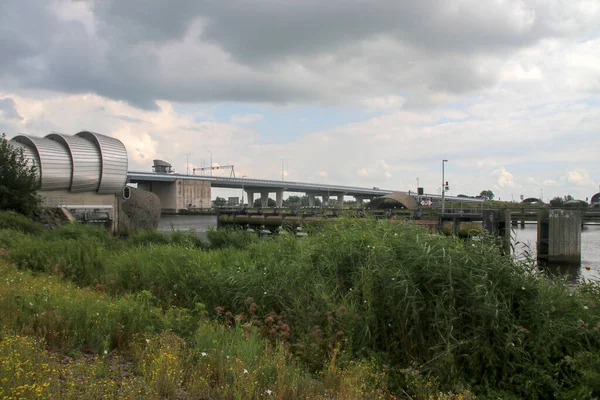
pixel 359 308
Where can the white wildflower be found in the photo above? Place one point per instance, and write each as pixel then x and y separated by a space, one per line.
pixel 269 392
pixel 585 307
pixel 203 354
pixel 245 371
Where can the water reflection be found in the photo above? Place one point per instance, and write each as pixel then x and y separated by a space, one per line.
pixel 524 242
pixel 572 272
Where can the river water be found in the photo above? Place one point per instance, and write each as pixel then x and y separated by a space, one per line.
pixel 524 241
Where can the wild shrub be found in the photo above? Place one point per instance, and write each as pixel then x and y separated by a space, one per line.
pixel 81 260
pixel 236 238
pixel 458 309
pixel 18 222
pixel 71 318
pixel 146 237
pixel 18 180
pixel 187 239
pixel 215 362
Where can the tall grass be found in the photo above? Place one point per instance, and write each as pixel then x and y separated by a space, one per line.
pixel 40 312
pixel 437 306
pixel 18 222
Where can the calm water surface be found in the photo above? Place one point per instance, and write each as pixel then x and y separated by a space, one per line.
pixel 523 238
pixel 525 241
pixel 198 223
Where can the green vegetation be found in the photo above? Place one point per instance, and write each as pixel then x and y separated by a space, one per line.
pixel 357 309
pixel 18 180
pixel 487 195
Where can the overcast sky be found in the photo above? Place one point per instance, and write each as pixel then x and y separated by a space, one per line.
pixel 362 92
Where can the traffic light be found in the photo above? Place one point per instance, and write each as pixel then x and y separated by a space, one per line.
pixel 447 187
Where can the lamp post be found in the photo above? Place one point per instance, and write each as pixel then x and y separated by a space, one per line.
pixel 187 163
pixel 443 185
pixel 210 162
pixel 282 169
pixel 243 190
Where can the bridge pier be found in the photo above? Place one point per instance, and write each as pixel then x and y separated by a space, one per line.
pixel 559 236
pixel 325 200
pixel 250 195
pixel 311 200
pixel 179 194
pixel 279 198
pixel 264 199
pixel 340 201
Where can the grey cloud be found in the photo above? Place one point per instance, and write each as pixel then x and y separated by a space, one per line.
pixel 269 51
pixel 8 109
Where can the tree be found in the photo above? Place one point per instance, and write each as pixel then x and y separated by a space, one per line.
pixel 219 202
pixel 487 195
pixel 292 202
pixel 270 203
pixel 557 201
pixel 18 180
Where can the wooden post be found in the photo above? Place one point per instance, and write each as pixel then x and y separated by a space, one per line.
pixel 455 226
pixel 490 221
pixel 504 229
pixel 559 236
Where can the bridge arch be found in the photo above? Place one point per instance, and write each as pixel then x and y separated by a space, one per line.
pixel 394 200
pixel 595 198
pixel 532 200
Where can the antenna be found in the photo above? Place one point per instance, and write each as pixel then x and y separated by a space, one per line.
pixel 231 174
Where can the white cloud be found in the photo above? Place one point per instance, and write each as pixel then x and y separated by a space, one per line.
pixel 549 182
pixel 504 179
pixel 580 177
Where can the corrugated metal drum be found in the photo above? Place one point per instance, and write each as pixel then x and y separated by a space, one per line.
pixel 55 162
pixel 114 161
pixel 29 154
pixel 87 163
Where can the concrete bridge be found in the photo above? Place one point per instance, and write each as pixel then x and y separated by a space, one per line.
pixel 177 191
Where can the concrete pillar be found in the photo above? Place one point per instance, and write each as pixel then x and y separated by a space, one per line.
pixel 311 200
pixel 340 201
pixel 250 195
pixel 325 200
pixel 359 201
pixel 279 198
pixel 559 236
pixel 264 199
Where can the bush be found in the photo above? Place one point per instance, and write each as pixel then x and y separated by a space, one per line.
pixel 18 180
pixel 236 238
pixel 18 222
pixel 458 310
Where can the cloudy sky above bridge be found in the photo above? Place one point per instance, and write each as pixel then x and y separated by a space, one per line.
pixel 365 92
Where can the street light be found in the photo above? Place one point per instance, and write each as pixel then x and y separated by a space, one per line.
pixel 443 186
pixel 210 162
pixel 282 169
pixel 243 190
pixel 187 163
